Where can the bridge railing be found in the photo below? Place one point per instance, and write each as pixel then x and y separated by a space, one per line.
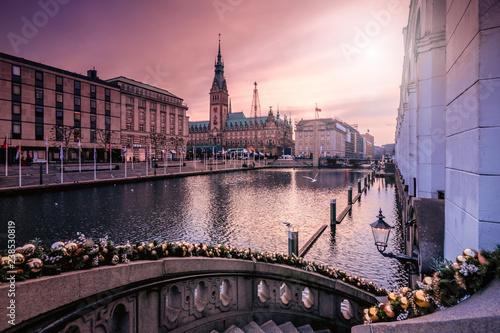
pixel 184 295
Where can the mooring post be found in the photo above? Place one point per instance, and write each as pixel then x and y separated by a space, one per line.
pixel 41 174
pixel 359 185
pixel 293 243
pixel 333 213
pixel 366 182
pixel 368 178
pixel 349 195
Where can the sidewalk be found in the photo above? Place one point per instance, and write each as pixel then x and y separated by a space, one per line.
pixel 30 175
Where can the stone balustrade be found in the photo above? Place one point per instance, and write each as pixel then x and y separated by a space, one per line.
pixel 184 295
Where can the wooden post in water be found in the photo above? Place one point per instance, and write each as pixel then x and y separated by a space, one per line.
pixel 359 185
pixel 293 243
pixel 349 195
pixel 366 182
pixel 333 213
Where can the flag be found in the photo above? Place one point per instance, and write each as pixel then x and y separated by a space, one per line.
pixel 318 110
pixel 95 154
pixel 61 153
pixel 46 143
pixel 5 144
pixel 18 153
pixel 79 145
pixel 125 150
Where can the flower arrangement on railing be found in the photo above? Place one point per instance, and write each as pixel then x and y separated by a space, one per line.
pixel 33 260
pixel 451 284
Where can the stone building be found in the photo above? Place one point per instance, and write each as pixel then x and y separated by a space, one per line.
pixel 153 117
pixel 448 119
pixel 269 134
pixel 325 137
pixel 42 106
pixel 369 144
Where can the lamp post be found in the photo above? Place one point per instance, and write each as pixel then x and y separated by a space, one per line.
pixel 381 231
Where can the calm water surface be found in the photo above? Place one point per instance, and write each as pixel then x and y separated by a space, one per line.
pixel 245 209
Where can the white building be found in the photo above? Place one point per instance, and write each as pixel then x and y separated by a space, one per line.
pixel 448 119
pixel 323 137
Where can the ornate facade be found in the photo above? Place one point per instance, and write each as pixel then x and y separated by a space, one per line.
pixel 270 134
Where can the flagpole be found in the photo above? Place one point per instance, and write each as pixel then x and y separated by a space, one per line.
pixel 125 155
pixel 132 157
pixel 147 171
pixel 109 154
pixel 20 164
pixel 6 157
pixel 79 156
pixel 62 157
pixel 46 157
pixel 95 168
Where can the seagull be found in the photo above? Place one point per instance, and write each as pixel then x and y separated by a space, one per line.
pixel 312 179
pixel 112 176
pixel 288 224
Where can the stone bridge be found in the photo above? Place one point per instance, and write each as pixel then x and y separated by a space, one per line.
pixel 183 295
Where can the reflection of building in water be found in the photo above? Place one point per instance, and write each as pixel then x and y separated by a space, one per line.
pixel 227 129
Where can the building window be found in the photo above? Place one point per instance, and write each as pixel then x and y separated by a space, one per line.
pixel 130 139
pixel 16 130
pixel 16 70
pixel 142 140
pixel 59 117
pixel 107 123
pixel 130 101
pixel 93 122
pixel 141 127
pixel 16 90
pixel 38 115
pixel 172 124
pixel 38 79
pixel 152 106
pixel 38 132
pixel 59 98
pixel 16 112
pixel 107 95
pixel 77 119
pixel 93 106
pixel 92 91
pixel 77 135
pixel 163 108
pixel 107 109
pixel 180 126
pixel 92 136
pixel 39 95
pixel 78 87
pixel 141 103
pixel 77 101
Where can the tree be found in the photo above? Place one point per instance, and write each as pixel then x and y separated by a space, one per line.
pixel 158 141
pixel 176 141
pixel 63 134
pixel 105 137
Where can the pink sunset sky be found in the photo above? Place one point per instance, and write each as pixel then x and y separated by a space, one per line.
pixel 346 56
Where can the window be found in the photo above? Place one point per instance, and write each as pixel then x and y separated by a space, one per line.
pixel 39 94
pixel 59 83
pixel 77 101
pixel 92 137
pixel 107 123
pixel 38 115
pixel 141 103
pixel 130 101
pixel 107 94
pixel 152 106
pixel 77 119
pixel 172 124
pixel 16 70
pixel 59 98
pixel 180 126
pixel 16 112
pixel 38 79
pixel 59 117
pixel 92 91
pixel 78 86
pixel 16 130
pixel 130 139
pixel 16 89
pixel 38 132
pixel 107 108
pixel 77 135
pixel 163 108
pixel 142 140
pixel 93 105
pixel 141 127
pixel 93 122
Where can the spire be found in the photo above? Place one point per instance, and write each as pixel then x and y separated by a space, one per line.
pixel 230 108
pixel 255 102
pixel 219 70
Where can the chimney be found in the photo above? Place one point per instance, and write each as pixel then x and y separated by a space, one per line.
pixel 92 73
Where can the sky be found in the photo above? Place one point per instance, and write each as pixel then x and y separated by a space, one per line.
pixel 343 56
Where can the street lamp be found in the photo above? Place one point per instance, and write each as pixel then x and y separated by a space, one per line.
pixel 381 231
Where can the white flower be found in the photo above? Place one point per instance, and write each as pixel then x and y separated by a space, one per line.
pixel 403 315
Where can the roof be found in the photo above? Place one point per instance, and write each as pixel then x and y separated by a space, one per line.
pixel 57 70
pixel 142 85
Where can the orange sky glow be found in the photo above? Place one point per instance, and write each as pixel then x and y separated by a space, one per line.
pixel 346 56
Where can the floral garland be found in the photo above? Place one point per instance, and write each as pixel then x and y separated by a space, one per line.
pixel 33 260
pixel 451 284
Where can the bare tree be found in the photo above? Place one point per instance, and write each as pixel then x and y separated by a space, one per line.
pixel 63 135
pixel 105 138
pixel 176 141
pixel 158 141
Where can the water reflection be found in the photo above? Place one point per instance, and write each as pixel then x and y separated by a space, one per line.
pixel 245 209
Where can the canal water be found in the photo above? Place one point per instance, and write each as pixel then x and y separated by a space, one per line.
pixel 244 209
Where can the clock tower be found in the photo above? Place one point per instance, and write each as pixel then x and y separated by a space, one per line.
pixel 219 99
